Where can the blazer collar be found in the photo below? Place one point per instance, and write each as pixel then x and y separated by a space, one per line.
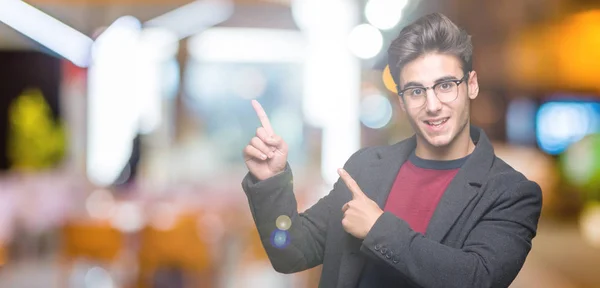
pixel 484 151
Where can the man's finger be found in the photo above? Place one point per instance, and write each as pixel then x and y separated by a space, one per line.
pixel 261 146
pixel 351 184
pixel 251 152
pixel 262 134
pixel 262 116
pixel 275 141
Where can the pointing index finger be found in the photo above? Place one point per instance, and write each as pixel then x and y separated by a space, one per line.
pixel 262 116
pixel 351 184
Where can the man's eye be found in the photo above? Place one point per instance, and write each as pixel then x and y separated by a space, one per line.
pixel 416 92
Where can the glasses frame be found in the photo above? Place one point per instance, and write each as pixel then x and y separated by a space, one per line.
pixel 457 82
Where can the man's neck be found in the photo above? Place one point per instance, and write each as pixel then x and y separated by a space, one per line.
pixel 459 148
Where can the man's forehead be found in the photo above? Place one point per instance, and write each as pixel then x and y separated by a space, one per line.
pixel 429 68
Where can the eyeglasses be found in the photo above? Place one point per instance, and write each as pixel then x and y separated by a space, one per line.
pixel 446 91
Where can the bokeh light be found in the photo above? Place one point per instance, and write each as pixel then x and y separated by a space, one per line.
pixel 375 111
pixel 128 217
pixel 365 41
pixel 590 224
pixel 100 204
pixel 98 277
pixel 164 216
pixel 384 14
pixel 560 124
pixel 581 164
pixel 280 239
pixel 283 222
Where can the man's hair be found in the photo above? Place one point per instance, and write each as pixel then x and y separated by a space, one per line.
pixel 432 33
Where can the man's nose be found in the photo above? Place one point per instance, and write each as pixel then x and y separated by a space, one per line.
pixel 433 103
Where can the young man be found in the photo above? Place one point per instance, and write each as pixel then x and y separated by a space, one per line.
pixel 436 210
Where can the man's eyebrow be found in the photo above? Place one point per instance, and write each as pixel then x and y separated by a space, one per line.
pixel 412 84
pixel 439 80
pixel 445 78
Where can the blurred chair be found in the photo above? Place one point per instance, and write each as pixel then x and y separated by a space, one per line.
pixel 94 241
pixel 175 251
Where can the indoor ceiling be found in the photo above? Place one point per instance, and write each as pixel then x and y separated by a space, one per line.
pixel 87 16
pixel 84 18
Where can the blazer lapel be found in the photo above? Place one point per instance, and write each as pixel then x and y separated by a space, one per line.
pixel 462 188
pixel 376 180
pixel 382 174
pixel 455 199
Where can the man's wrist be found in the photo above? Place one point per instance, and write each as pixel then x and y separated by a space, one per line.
pixel 282 178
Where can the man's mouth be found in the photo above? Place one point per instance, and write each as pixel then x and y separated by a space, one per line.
pixel 436 122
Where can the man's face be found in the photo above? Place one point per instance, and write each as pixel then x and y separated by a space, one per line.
pixel 437 123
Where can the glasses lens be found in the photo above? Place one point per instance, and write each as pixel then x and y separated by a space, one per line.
pixel 415 97
pixel 446 91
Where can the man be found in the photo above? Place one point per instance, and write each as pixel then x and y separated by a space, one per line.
pixel 436 210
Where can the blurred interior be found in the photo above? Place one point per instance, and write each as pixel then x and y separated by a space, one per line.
pixel 122 125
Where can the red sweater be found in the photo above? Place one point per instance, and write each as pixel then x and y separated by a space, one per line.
pixel 418 188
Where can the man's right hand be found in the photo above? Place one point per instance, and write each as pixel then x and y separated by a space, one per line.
pixel 266 154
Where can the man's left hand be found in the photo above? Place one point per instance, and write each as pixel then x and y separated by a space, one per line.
pixel 361 213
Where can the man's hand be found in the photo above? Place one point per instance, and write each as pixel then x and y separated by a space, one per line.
pixel 361 213
pixel 266 154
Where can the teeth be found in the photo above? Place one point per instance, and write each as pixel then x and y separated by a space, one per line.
pixel 436 123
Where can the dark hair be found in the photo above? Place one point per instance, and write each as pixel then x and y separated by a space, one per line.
pixel 430 33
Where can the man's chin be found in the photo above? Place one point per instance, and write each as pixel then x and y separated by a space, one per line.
pixel 439 144
pixel 437 141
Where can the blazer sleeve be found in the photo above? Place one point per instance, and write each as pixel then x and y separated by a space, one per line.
pixel 305 239
pixel 492 255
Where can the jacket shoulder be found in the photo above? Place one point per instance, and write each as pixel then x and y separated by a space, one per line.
pixel 504 177
pixel 378 152
pixel 501 170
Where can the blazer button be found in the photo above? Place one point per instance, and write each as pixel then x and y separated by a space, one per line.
pixel 388 255
pixel 377 247
pixel 383 250
pixel 396 260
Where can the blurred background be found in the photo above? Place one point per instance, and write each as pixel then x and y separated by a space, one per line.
pixel 122 125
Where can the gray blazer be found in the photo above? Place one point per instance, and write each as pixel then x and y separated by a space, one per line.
pixel 479 235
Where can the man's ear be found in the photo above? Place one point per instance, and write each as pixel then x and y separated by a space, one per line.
pixel 473 85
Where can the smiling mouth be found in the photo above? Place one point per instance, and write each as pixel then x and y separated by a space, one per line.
pixel 437 123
